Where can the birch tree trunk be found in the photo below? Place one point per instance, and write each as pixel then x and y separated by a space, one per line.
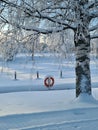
pixel 82 45
pixel 83 79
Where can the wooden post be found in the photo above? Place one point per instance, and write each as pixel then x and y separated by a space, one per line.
pixel 15 75
pixel 61 74
pixel 37 75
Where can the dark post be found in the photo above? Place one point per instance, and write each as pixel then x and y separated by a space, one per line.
pixel 15 75
pixel 61 74
pixel 37 75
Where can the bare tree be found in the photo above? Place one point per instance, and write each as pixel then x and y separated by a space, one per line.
pixel 79 15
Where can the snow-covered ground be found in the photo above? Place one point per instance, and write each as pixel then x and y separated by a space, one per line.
pixel 26 104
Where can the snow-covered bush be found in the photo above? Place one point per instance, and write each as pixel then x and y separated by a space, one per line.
pixel 8 50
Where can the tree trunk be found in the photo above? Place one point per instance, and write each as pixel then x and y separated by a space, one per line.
pixel 82 45
pixel 33 51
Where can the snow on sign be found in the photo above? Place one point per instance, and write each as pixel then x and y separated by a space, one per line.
pixel 49 81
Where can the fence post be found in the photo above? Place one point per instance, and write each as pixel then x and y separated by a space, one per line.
pixel 37 75
pixel 61 74
pixel 15 75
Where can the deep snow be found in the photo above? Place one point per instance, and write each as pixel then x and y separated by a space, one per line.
pixel 26 104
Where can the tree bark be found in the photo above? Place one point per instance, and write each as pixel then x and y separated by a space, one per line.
pixel 82 45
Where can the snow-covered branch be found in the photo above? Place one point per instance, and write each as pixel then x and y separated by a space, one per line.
pixel 92 5
pixel 3 19
pixel 44 31
pixel 93 28
pixel 38 30
pixel 35 13
pixel 93 14
pixel 94 36
pixel 61 22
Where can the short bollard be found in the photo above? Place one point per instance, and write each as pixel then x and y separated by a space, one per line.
pixel 15 75
pixel 37 75
pixel 61 74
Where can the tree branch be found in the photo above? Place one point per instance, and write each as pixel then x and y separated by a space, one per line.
pixel 38 30
pixel 94 36
pixel 93 28
pixel 40 16
pixel 92 5
pixel 93 14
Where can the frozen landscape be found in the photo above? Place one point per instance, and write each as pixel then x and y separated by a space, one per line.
pixel 27 104
pixel 38 91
